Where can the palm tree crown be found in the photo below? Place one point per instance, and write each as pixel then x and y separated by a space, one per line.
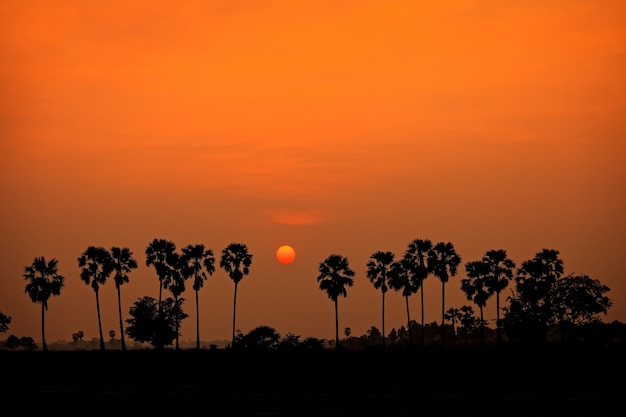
pixel 236 261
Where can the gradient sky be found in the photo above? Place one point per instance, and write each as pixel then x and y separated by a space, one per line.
pixel 334 126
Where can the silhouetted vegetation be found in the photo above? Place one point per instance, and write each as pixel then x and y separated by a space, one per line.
pixel 44 281
pixel 544 307
pixel 334 275
pixel 155 323
pixel 236 261
pixel 4 322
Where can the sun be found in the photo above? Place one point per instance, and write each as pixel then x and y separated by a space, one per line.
pixel 285 254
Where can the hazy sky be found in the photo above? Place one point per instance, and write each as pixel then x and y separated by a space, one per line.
pixel 334 126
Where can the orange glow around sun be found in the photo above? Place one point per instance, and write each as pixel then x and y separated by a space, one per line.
pixel 285 254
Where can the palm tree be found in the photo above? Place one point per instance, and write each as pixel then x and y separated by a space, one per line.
pixel 334 275
pixel 443 260
pixel 404 279
pixel 236 262
pixel 415 258
pixel 453 315
pixel 379 269
pixel 156 255
pixel 174 281
pixel 475 288
pixel 123 264
pixel 97 265
pixel 44 281
pixel 197 263
pixel 500 273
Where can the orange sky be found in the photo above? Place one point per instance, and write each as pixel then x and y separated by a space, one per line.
pixel 334 126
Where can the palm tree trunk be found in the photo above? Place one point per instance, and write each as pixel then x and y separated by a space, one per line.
pixel 43 326
pixel 453 332
pixel 383 319
pixel 176 318
pixel 119 309
pixel 336 325
pixel 234 313
pixel 443 313
pixel 160 294
pixel 197 322
pixel 99 322
pixel 498 330
pixel 422 305
pixel 482 328
pixel 408 320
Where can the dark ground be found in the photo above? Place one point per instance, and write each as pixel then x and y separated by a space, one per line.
pixel 511 382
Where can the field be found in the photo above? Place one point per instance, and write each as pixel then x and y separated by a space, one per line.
pixel 452 382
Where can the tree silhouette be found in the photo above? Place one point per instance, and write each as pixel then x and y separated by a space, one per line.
pixel 500 273
pixel 123 264
pixel 261 338
pixel 44 281
pixel 443 260
pixel 379 270
pixel 529 311
pixel 78 336
pixel 156 255
pixel 197 262
pixel 467 320
pixel 576 300
pixel 334 275
pixel 403 278
pixel 153 322
pixel 236 261
pixel 4 322
pixel 97 265
pixel 453 315
pixel 175 282
pixel 415 261
pixel 474 287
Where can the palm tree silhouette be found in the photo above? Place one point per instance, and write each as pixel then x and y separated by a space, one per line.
pixel 123 264
pixel 156 255
pixel 500 273
pixel 197 262
pixel 404 279
pixel 174 281
pixel 415 259
pixel 443 260
pixel 379 269
pixel 44 281
pixel 453 315
pixel 334 275
pixel 97 265
pixel 236 262
pixel 475 288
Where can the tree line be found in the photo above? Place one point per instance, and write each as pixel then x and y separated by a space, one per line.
pixel 541 296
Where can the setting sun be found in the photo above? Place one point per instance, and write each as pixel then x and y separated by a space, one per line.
pixel 285 254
